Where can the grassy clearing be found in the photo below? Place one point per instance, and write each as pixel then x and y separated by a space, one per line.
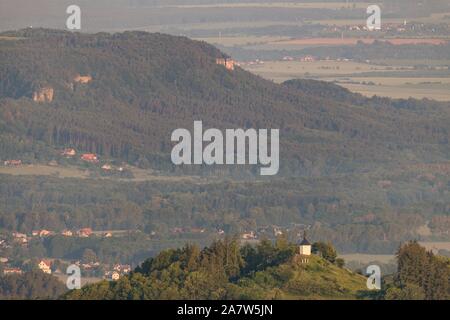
pixel 45 170
pixel 140 175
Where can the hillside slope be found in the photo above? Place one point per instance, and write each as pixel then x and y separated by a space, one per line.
pixel 225 271
pixel 139 87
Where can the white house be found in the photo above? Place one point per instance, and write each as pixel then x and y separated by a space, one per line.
pixel 304 250
pixel 115 276
pixel 45 266
pixel 305 247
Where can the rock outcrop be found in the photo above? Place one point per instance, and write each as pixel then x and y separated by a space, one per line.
pixel 227 63
pixel 82 79
pixel 44 95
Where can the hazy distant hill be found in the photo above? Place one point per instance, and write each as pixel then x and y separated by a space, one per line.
pixel 145 85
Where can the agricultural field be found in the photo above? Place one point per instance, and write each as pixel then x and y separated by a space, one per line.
pixel 313 42
pixel 139 175
pixel 436 246
pixel 241 41
pixel 303 5
pixel 363 78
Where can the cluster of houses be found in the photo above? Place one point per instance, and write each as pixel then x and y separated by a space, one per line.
pixel 117 271
pixel 397 27
pixel 91 158
pixel 88 157
pixel 69 153
pixel 307 58
pixel 23 239
pixel 269 231
pixel 182 230
pixel 114 272
pixel 81 233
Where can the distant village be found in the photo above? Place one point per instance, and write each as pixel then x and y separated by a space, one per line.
pixel 70 153
pixel 55 266
pixel 113 272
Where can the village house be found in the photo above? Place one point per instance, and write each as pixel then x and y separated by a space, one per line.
pixel 115 276
pixel 20 237
pixel 197 230
pixel 67 233
pixel 112 275
pixel 249 235
pixel 45 266
pixel 177 230
pixel 85 232
pixel 308 59
pixel 277 231
pixel 123 268
pixel 89 157
pixel 107 235
pixel 107 167
pixel 7 271
pixel 69 152
pixel 12 163
pixel 304 250
pixel 87 266
pixel 45 233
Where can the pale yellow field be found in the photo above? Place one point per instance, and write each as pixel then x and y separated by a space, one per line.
pixel 280 71
pixel 304 5
pixel 241 41
pixel 400 92
pixel 346 74
pixel 367 258
pixel 436 246
pixel 435 88
pixel 398 81
pixel 45 170
pixel 433 18
pixel 11 38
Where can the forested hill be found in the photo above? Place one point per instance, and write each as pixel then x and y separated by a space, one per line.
pixel 224 270
pixel 121 96
pixel 268 271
